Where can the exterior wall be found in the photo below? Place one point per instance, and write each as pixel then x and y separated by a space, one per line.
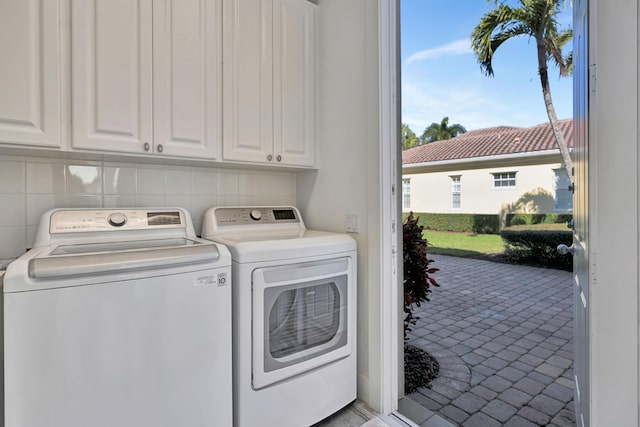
pixel 431 192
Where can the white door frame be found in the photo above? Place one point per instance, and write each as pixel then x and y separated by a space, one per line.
pixel 614 209
pixel 391 293
pixel 614 197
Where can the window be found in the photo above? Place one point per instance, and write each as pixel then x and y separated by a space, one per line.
pixel 563 198
pixel 455 192
pixel 406 194
pixel 504 180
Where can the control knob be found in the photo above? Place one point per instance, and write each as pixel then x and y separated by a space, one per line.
pixel 255 215
pixel 117 219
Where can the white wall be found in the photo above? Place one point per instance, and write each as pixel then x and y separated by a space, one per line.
pixel 29 186
pixel 613 212
pixel 431 192
pixel 348 180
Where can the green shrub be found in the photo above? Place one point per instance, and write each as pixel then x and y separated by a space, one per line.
pixel 539 227
pixel 463 223
pixel 538 246
pixel 522 219
pixel 416 270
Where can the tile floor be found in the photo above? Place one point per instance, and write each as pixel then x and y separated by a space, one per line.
pixel 354 415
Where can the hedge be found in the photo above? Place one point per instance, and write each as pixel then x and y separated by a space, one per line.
pixel 466 223
pixel 525 219
pixel 537 247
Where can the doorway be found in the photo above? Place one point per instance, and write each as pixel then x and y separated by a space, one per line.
pixel 503 365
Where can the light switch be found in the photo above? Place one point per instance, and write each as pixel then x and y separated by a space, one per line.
pixel 351 223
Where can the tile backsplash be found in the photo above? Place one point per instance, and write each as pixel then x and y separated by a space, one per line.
pixel 30 186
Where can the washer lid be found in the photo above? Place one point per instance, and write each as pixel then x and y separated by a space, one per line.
pixel 246 248
pixel 117 257
pixel 119 246
pixel 88 264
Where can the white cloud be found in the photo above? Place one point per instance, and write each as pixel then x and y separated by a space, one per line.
pixel 457 47
pixel 472 104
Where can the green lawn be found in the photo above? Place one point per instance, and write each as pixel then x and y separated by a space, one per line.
pixel 463 244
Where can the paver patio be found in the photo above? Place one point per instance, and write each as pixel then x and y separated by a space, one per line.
pixel 503 335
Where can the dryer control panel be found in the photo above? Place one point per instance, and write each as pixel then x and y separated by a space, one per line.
pixel 79 221
pixel 256 215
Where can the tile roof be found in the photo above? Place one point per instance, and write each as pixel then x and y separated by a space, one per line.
pixel 494 141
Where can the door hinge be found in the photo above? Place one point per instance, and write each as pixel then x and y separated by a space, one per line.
pixel 572 188
pixel 593 78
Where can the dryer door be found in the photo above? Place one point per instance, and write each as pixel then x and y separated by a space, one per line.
pixel 300 314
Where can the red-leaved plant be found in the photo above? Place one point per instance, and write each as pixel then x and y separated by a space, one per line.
pixel 417 279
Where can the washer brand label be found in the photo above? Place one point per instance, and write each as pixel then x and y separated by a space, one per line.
pixel 204 281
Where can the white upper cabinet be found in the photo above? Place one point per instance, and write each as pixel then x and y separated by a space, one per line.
pixel 146 76
pixel 294 81
pixel 30 74
pixel 269 81
pixel 111 75
pixel 187 44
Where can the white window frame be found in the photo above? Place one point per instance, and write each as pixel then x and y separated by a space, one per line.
pixel 406 194
pixel 504 177
pixel 561 186
pixel 456 190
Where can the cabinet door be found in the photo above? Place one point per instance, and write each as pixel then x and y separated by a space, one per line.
pixel 247 76
pixel 30 83
pixel 294 82
pixel 187 43
pixel 111 75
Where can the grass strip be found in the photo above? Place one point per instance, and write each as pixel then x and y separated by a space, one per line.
pixel 463 244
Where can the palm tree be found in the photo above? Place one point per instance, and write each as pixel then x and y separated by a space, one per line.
pixel 537 19
pixel 409 138
pixel 440 131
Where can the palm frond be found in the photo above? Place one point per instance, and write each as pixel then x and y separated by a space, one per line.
pixel 456 129
pixel 554 44
pixel 495 27
pixel 568 60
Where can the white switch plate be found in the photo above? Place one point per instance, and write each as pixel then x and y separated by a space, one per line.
pixel 351 223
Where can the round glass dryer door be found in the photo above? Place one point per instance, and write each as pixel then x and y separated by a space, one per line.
pixel 300 318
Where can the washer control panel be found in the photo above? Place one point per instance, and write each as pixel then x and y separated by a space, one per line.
pixel 79 221
pixel 261 215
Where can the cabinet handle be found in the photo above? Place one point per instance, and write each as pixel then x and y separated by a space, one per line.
pixel 279 158
pixel 160 148
pixel 269 157
pixel 147 146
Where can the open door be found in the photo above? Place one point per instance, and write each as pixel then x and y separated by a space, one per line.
pixel 580 247
pixel 580 211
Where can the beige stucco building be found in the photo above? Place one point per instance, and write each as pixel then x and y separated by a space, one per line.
pixel 488 171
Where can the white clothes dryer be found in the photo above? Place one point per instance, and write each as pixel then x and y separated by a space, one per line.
pixel 294 315
pixel 118 318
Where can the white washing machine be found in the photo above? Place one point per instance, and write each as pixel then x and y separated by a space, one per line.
pixel 118 318
pixel 294 315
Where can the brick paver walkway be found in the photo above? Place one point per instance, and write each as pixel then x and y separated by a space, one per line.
pixel 503 335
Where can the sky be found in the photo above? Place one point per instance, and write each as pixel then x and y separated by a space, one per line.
pixel 441 77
